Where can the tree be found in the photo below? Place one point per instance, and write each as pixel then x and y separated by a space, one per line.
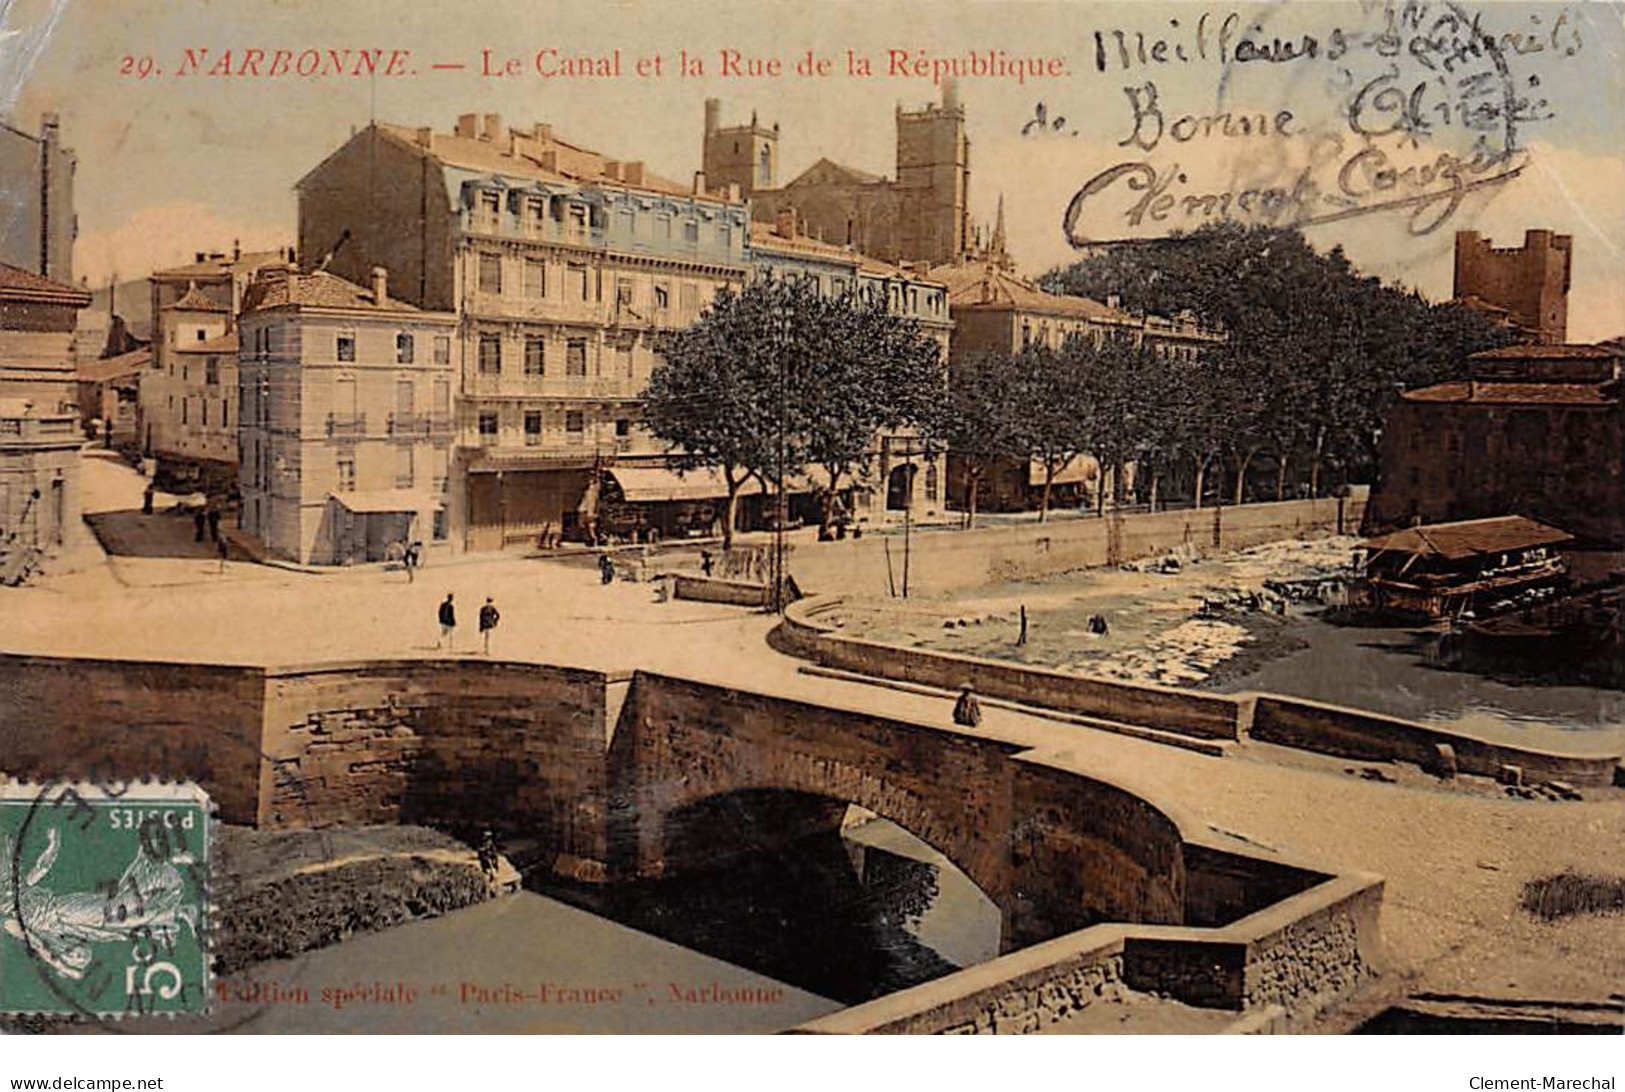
pixel 977 419
pixel 1050 399
pixel 1315 349
pixel 776 377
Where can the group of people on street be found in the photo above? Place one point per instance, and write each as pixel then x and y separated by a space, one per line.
pixel 488 619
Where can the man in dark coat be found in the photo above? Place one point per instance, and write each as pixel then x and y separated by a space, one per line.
pixel 488 621
pixel 448 624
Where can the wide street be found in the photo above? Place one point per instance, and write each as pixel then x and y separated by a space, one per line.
pixel 1455 862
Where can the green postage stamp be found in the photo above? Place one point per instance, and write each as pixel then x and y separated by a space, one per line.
pixel 104 899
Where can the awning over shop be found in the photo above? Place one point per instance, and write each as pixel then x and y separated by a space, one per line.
pixel 644 484
pixel 1082 468
pixel 383 500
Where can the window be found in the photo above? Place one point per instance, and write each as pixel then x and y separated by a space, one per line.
pixel 346 470
pixel 442 397
pixel 663 226
pixel 535 213
pixel 575 357
pixel 725 236
pixel 184 401
pixel 691 297
pixel 535 278
pixel 491 274
pixel 346 347
pixel 576 285
pixel 442 350
pixel 403 348
pixel 624 364
pixel 442 529
pixel 628 223
pixel 490 354
pixel 691 231
pixel 202 335
pixel 225 414
pixel 405 468
pixel 930 481
pixel 488 427
pixel 533 428
pixel 578 220
pixel 575 423
pixel 623 293
pixel 662 297
pixel 211 371
pixel 535 355
pixel 203 404
pixel 623 426
pixel 490 205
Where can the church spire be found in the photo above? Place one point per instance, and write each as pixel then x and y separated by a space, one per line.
pixel 996 249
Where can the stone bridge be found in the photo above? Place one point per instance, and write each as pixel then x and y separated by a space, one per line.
pixel 628 775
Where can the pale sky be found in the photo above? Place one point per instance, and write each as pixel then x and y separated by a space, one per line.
pixel 169 165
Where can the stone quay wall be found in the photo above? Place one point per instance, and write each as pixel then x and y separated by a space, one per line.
pixel 945 560
pixel 1351 733
pixel 811 630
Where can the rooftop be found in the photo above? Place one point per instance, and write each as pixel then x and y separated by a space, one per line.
pixel 194 300
pixel 21 286
pixel 1602 351
pixel 114 367
pixel 1468 538
pixel 287 288
pixel 221 265
pixel 526 153
pixel 1482 392
pixel 990 286
pixel 225 343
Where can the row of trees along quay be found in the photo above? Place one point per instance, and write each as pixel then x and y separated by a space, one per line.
pixel 776 378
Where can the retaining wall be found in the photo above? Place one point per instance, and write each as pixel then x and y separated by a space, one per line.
pixel 1350 733
pixel 943 560
pixel 708 589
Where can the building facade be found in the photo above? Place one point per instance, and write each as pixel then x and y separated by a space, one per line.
pixel 39 226
pixel 995 309
pixel 347 429
pixel 1526 287
pixel 901 474
pixel 565 269
pixel 187 412
pixel 921 215
pixel 40 438
pixel 1533 431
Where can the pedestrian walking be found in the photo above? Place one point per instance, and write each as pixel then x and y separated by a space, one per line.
pixel 214 524
pixel 409 561
pixel 199 523
pixel 488 622
pixel 220 551
pixel 967 710
pixel 606 569
pixel 146 501
pixel 705 562
pixel 448 623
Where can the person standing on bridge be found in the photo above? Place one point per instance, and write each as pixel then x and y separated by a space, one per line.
pixel 448 624
pixel 488 622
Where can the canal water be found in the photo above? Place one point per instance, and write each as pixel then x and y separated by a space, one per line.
pixel 768 945
pixel 1397 672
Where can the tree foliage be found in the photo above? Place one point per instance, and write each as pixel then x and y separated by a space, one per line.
pixel 778 377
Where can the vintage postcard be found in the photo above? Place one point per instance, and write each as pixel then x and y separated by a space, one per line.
pixel 837 518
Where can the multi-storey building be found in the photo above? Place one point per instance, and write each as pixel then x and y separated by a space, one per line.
pixel 923 215
pixel 565 269
pixel 188 401
pixel 39 226
pixel 346 434
pixel 40 437
pixel 995 309
pixel 1534 430
pixel 1526 287
pixel 902 474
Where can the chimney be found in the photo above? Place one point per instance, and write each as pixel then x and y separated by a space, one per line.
pixel 199 257
pixel 467 125
pixel 236 250
pixel 1114 301
pixel 734 195
pixel 785 224
pixel 493 127
pixel 550 161
pixel 713 115
pixel 699 183
pixel 425 136
pixel 380 285
pixel 950 94
pixel 543 132
pixel 632 173
pixel 50 127
pixel 612 169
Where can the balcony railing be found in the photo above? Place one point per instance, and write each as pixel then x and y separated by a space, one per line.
pixel 45 427
pixel 419 424
pixel 346 424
